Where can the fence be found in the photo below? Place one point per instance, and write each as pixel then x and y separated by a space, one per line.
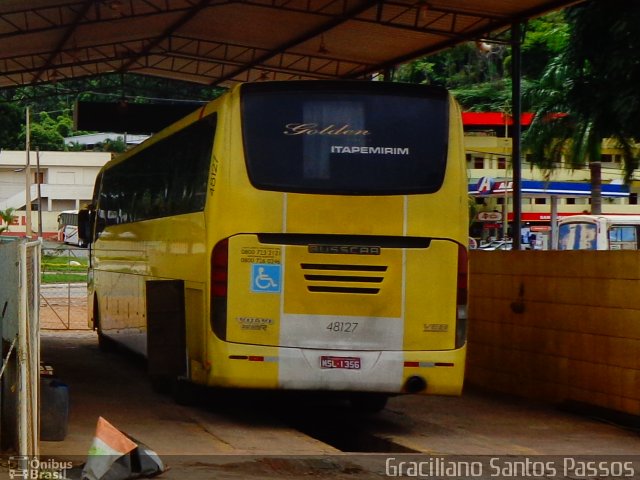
pixel 20 333
pixel 63 295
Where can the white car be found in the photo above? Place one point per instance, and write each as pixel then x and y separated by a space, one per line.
pixel 497 245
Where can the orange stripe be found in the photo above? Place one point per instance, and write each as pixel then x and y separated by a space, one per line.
pixel 113 437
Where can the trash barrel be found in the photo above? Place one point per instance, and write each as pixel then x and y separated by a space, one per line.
pixel 54 409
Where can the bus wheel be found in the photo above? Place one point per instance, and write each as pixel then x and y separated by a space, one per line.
pixel 161 383
pixel 368 402
pixel 105 344
pixel 184 392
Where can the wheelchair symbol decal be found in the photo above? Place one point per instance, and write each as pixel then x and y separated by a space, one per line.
pixel 265 278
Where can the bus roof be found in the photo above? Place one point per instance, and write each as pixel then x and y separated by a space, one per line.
pixel 620 219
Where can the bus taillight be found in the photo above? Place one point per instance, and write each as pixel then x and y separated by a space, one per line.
pixel 219 278
pixel 462 297
pixel 219 268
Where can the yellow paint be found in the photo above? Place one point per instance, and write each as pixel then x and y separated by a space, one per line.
pixel 338 214
pixel 253 318
pixel 441 380
pixel 427 323
pixel 418 286
pixel 388 303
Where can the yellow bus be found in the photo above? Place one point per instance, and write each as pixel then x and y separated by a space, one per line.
pixel 293 235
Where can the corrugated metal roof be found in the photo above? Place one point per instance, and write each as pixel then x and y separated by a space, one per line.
pixel 221 42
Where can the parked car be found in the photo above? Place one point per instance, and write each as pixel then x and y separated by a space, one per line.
pixel 497 245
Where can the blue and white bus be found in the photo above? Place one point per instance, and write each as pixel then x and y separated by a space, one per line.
pixel 599 232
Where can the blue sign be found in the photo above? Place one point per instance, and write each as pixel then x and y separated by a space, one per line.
pixel 265 278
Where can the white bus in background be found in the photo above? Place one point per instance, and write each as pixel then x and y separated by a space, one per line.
pixel 68 228
pixel 599 232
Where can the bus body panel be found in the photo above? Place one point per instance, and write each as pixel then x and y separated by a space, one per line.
pixel 297 296
pixel 126 256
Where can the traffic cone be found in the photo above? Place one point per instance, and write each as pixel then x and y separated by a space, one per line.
pixel 109 444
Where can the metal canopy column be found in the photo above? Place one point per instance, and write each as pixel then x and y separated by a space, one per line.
pixel 517 133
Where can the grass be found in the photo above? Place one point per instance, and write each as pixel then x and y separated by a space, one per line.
pixel 57 269
pixel 55 263
pixel 63 277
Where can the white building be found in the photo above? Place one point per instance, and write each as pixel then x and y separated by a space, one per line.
pixel 488 147
pixel 63 181
pixel 92 139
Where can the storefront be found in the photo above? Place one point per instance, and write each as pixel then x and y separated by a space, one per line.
pixel 493 197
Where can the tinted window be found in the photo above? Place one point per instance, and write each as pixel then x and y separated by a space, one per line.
pixel 357 138
pixel 168 178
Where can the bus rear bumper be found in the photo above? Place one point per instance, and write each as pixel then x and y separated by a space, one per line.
pixel 393 372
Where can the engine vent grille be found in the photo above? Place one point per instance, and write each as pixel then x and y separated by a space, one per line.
pixel 344 278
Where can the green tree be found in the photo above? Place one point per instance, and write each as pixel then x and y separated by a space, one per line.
pixel 52 105
pixel 589 92
pixel 485 97
pixel 47 133
pixel 110 145
pixel 478 73
pixel 546 37
pixel 7 217
pixel 11 117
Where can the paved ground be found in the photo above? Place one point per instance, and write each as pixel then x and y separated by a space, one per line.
pixel 243 436
pixel 63 306
pixel 254 436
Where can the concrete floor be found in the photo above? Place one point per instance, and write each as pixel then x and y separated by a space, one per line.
pixel 246 437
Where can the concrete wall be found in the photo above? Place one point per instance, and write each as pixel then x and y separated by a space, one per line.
pixel 557 326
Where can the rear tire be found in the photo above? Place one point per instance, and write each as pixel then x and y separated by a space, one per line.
pixel 184 392
pixel 105 344
pixel 161 384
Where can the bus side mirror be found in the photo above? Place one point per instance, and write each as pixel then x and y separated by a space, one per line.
pixel 85 226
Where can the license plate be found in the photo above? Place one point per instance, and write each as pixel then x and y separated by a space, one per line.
pixel 347 363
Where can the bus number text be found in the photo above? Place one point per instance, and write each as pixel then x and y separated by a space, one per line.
pixel 342 327
pixel 213 176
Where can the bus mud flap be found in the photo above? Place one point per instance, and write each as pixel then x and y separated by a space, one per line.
pixel 166 346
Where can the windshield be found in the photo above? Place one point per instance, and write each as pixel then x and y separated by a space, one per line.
pixel 345 138
pixel 577 236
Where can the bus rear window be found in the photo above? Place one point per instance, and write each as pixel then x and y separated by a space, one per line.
pixel 366 139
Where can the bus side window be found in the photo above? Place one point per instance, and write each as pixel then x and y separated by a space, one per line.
pixel 623 238
pixel 84 226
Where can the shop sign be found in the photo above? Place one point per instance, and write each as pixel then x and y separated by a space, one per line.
pixel 489 217
pixel 487 185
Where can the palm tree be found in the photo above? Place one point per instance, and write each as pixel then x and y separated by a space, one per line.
pixel 7 217
pixel 589 93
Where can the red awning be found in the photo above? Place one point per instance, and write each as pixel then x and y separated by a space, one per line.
pixel 492 119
